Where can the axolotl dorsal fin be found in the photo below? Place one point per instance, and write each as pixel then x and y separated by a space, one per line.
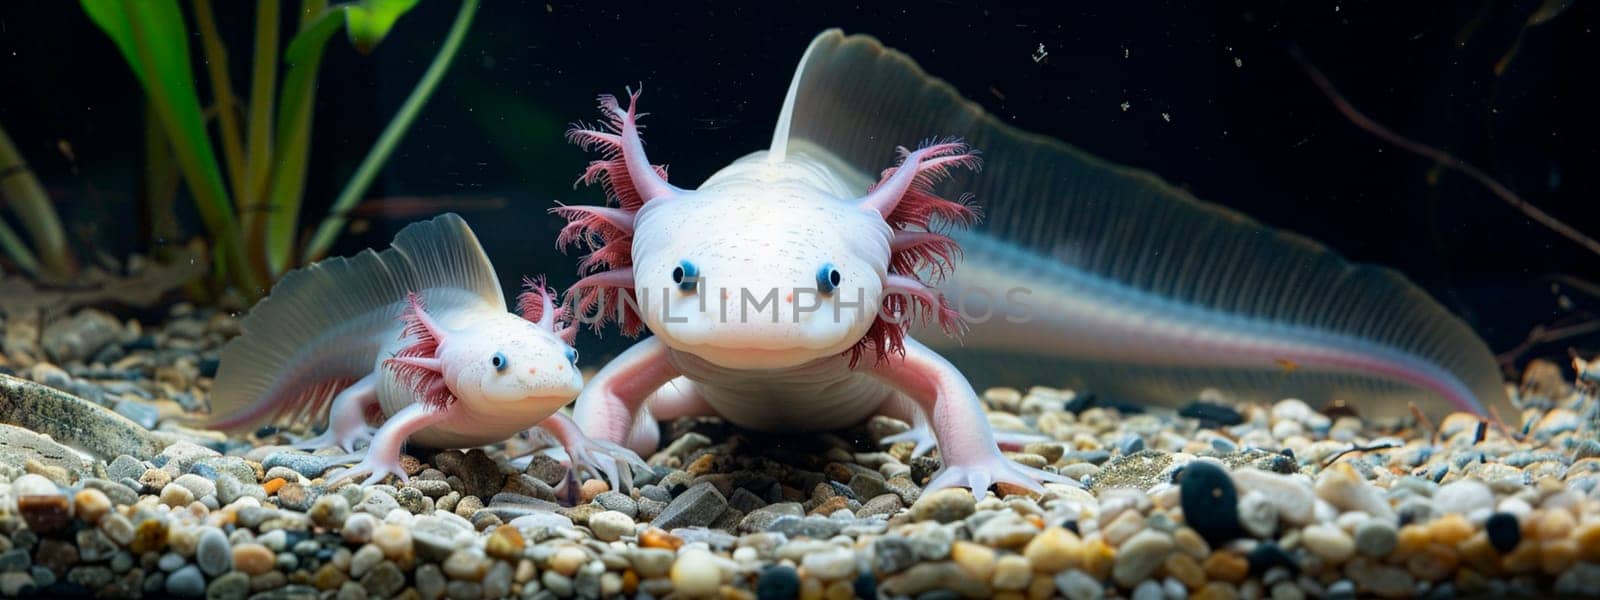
pixel 1132 283
pixel 323 324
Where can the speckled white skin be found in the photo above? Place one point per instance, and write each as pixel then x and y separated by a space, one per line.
pixel 754 227
pixel 491 404
pixel 791 221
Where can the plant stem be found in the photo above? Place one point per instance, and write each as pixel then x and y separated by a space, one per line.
pixel 205 184
pixel 362 179
pixel 286 190
pixel 160 179
pixel 18 251
pixel 258 160
pixel 21 188
pixel 227 104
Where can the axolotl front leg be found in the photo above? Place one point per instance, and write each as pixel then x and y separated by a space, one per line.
pixel 967 447
pixel 612 406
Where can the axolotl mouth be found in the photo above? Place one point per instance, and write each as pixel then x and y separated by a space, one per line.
pixel 744 357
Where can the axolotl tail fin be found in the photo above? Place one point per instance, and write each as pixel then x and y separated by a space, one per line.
pixel 1124 282
pixel 323 325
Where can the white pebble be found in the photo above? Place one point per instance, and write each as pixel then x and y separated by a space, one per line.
pixel 1328 542
pixel 1464 497
pixel 836 563
pixel 696 574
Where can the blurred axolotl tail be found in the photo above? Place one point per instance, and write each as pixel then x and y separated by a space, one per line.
pixel 1109 278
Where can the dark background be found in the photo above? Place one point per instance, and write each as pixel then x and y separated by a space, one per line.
pixel 1247 128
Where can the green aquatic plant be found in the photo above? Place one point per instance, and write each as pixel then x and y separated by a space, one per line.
pixel 50 258
pixel 252 215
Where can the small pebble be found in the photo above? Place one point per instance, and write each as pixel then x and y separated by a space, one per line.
pixel 696 574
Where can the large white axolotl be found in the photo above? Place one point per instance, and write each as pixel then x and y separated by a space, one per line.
pixel 780 299
pixel 1082 274
pixel 420 336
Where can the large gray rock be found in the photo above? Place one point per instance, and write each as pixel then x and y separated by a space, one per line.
pixel 18 445
pixel 73 421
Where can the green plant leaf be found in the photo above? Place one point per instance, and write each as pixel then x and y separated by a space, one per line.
pixel 292 145
pixel 153 38
pixel 369 21
pixel 333 224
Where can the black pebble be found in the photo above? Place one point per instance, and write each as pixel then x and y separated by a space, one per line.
pixel 65 589
pixel 1210 502
pixel 1504 531
pixel 778 582
pixel 1267 555
pixel 866 585
pixel 208 366
pixel 1071 526
pixel 1087 400
pixel 1211 413
pixel 1080 402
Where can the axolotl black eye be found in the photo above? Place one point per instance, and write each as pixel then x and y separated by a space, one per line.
pixel 827 278
pixel 686 275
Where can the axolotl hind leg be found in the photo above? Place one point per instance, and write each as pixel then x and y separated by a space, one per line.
pixel 966 445
pixel 382 457
pixel 347 421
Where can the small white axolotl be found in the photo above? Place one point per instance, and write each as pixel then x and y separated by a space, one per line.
pixel 419 335
pixel 779 298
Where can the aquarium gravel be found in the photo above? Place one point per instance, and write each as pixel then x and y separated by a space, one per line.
pixel 1216 500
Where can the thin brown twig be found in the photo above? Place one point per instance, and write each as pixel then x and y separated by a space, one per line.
pixel 1422 419
pixel 1355 448
pixel 1441 157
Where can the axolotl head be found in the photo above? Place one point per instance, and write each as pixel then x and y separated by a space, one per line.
pixel 759 269
pixel 495 361
pixel 770 263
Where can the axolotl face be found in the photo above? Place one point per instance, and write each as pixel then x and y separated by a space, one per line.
pixel 501 359
pixel 758 269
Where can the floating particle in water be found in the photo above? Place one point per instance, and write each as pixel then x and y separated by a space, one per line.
pixel 1238 63
pixel 1126 53
pixel 1126 105
pixel 1166 117
pixel 1040 54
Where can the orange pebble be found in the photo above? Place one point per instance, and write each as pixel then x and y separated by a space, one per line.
pixel 1556 556
pixel 630 582
pixel 1412 539
pixel 1434 563
pixel 657 538
pixel 1186 570
pixel 1227 566
pixel 1098 558
pixel 592 488
pixel 1588 538
pixel 1554 525
pixel 273 485
pixel 1449 530
pixel 1524 559
pixel 1480 554
pixel 1217 590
